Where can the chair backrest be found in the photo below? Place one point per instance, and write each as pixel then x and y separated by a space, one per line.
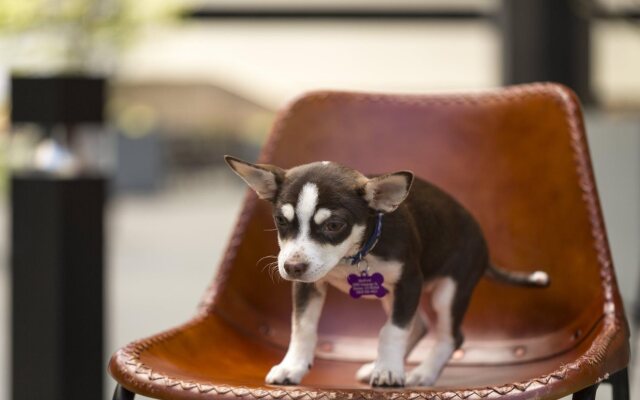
pixel 517 158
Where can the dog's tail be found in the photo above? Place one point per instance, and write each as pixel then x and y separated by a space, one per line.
pixel 532 279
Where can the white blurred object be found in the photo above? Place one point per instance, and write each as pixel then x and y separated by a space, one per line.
pixel 52 156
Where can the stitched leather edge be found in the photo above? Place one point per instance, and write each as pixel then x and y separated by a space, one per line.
pixel 128 362
pixel 128 358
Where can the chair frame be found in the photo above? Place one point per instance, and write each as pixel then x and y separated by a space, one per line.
pixel 127 368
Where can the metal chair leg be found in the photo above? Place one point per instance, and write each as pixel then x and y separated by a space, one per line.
pixel 122 394
pixel 620 385
pixel 588 393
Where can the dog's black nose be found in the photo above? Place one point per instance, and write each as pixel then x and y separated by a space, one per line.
pixel 295 270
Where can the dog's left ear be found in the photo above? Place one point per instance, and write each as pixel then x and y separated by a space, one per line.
pixel 385 193
pixel 264 179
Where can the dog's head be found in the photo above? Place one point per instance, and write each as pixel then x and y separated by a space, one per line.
pixel 320 210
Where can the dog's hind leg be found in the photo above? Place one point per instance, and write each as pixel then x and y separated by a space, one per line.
pixel 418 331
pixel 443 331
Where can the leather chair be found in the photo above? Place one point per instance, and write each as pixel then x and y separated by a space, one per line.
pixel 518 159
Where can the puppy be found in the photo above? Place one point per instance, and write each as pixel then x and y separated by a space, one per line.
pixel 389 237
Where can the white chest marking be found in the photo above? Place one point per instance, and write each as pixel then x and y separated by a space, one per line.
pixel 390 270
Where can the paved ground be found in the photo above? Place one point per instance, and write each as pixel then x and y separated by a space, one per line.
pixel 163 249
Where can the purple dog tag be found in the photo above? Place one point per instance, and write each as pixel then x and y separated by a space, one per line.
pixel 365 285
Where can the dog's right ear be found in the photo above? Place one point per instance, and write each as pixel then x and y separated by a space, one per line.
pixel 264 179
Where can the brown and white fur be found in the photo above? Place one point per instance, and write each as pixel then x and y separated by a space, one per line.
pixel 429 243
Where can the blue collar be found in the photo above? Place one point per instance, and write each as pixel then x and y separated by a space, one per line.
pixel 370 243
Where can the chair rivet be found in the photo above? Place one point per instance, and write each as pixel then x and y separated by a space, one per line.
pixel 609 308
pixel 576 334
pixel 326 346
pixel 265 330
pixel 458 354
pixel 519 351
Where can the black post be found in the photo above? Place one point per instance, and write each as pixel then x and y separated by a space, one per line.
pixel 620 384
pixel 122 394
pixel 588 393
pixel 547 40
pixel 57 296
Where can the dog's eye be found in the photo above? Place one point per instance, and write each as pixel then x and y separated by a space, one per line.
pixel 280 220
pixel 333 226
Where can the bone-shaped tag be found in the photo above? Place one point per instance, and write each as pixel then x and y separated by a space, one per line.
pixel 364 284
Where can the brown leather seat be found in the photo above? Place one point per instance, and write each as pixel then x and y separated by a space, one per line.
pixel 518 159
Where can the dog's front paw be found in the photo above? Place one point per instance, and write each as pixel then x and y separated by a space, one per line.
pixel 364 372
pixel 284 374
pixel 420 376
pixel 384 376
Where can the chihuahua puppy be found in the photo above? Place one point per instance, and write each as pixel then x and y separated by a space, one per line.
pixel 391 237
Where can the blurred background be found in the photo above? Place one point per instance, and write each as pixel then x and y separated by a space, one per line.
pixel 164 88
